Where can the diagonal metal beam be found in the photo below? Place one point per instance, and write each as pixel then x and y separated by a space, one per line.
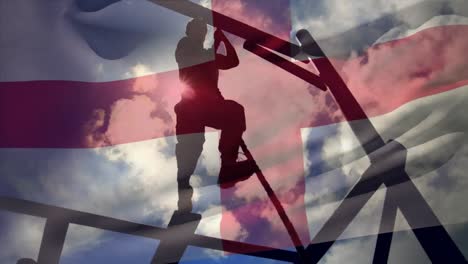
pixel 285 65
pixel 296 240
pixel 365 131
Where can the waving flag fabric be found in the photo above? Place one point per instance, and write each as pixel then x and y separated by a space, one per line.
pixel 87 90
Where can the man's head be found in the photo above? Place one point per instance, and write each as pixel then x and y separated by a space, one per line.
pixel 196 29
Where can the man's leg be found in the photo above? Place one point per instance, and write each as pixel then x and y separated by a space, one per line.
pixel 190 139
pixel 230 118
pixel 232 127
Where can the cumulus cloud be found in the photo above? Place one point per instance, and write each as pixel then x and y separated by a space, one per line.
pixel 21 236
pixel 131 120
pixel 403 31
pixel 327 18
pixel 343 29
pixel 250 14
pixel 210 224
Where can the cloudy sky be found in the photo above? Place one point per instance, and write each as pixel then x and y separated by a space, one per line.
pixel 399 88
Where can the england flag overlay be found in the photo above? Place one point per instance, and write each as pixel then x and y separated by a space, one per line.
pixel 233 131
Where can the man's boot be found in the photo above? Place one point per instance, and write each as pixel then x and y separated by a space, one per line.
pixel 231 173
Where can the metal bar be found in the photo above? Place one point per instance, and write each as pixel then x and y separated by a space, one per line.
pixel 435 240
pixel 285 65
pixel 279 208
pixel 171 251
pixel 439 246
pixel 387 224
pixel 121 226
pixel 53 239
pixel 342 216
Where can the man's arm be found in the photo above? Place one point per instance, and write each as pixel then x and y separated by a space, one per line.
pixel 189 54
pixel 230 60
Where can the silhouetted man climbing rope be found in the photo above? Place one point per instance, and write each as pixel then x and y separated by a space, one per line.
pixel 203 105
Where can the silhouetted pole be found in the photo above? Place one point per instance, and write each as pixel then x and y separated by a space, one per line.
pixel 182 227
pixel 68 216
pixel 53 239
pixel 364 129
pixel 279 208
